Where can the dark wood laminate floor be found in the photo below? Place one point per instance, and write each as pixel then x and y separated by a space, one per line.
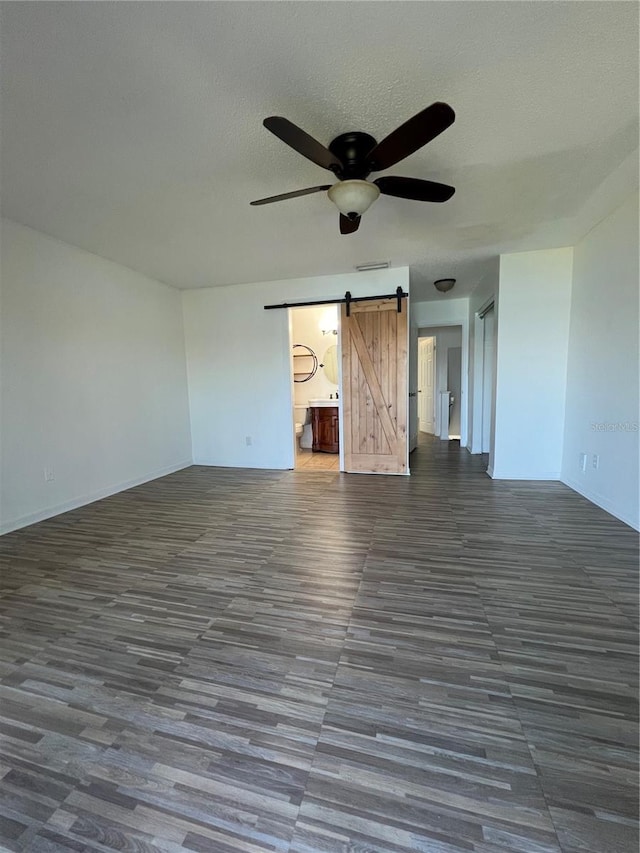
pixel 231 660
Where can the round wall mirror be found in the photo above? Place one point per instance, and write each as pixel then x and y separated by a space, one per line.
pixel 305 363
pixel 330 364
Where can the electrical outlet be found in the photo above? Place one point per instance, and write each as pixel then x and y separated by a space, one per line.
pixel 49 476
pixel 595 461
pixel 583 461
pixel 248 440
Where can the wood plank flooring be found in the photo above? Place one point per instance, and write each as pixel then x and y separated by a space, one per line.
pixel 238 660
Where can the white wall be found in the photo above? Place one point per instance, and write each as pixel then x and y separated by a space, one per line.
pixel 532 346
pixel 93 382
pixel 445 312
pixel 238 363
pixel 602 376
pixel 448 312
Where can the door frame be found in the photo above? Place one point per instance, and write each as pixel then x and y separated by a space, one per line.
pixel 475 445
pixel 453 390
pixel 317 295
pixel 338 341
pixel 463 322
pixel 488 383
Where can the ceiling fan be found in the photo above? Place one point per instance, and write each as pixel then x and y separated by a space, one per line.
pixel 353 156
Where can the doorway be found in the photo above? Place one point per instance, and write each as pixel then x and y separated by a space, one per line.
pixel 371 353
pixel 454 385
pixel 441 381
pixel 315 377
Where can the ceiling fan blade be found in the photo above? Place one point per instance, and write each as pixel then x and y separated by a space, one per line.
pixel 415 189
pixel 285 196
pixel 410 136
pixel 348 226
pixel 302 143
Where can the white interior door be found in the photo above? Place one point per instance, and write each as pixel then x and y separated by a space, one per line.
pixel 426 401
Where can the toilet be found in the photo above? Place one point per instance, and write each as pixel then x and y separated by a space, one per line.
pixel 304 435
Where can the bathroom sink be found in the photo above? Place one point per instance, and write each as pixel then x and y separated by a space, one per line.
pixel 323 402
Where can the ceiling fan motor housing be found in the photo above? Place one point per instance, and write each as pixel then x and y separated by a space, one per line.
pixel 353 156
pixel 352 150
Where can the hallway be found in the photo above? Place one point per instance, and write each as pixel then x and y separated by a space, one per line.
pixel 248 660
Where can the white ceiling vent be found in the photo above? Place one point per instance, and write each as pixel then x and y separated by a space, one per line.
pixel 374 265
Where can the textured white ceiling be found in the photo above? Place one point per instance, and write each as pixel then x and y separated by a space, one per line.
pixel 134 130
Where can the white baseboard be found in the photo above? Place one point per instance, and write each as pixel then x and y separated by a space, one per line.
pixel 602 502
pixel 83 500
pixel 523 475
pixel 248 466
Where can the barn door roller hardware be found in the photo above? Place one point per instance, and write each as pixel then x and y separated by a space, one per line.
pixel 348 299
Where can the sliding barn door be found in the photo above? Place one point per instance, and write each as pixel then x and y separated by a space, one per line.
pixel 374 387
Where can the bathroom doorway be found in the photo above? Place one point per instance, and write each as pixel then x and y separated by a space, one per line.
pixel 315 379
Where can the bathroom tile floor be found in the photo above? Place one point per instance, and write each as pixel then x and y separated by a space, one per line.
pixel 250 661
pixel 307 460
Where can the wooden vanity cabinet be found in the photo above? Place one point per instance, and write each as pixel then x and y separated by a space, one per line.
pixel 326 434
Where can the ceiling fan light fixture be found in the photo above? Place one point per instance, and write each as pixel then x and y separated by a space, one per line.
pixel 352 198
pixel 444 285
